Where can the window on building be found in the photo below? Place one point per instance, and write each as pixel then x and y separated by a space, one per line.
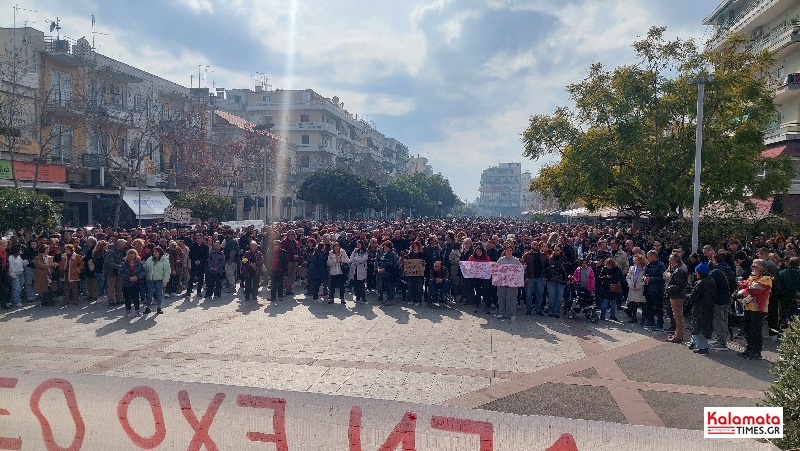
pixel 121 145
pixel 265 99
pixel 305 140
pixel 304 118
pixel 61 147
pixel 100 95
pixel 237 99
pixel 305 161
pixel 60 88
pixel 148 108
pixel 137 102
pixel 117 96
pixel 268 120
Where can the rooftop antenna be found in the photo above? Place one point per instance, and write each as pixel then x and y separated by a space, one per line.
pixel 263 80
pixel 95 33
pixel 55 25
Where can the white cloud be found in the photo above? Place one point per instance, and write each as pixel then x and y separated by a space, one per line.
pixel 198 6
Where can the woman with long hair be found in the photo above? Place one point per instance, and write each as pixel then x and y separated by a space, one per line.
pixel 131 276
pixel 158 275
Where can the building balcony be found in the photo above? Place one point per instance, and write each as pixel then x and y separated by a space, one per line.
pixel 744 20
pixel 69 51
pixel 786 88
pixel 306 126
pixel 777 39
pixel 784 132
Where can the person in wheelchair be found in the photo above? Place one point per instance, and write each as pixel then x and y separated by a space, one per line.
pixel 438 283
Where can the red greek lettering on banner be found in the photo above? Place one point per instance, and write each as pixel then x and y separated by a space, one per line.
pixel 151 397
pixel 9 442
pixel 201 427
pixel 484 430
pixel 404 433
pixel 278 406
pixel 564 443
pixel 72 404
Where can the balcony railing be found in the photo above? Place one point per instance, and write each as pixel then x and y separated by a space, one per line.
pixel 782 132
pixel 81 50
pixel 778 38
pixel 307 126
pixel 745 16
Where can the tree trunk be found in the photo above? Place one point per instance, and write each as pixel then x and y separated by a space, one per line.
pixel 119 206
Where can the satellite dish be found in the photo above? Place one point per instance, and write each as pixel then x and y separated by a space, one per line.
pixel 52 26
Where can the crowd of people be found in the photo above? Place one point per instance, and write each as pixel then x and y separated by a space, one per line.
pixel 727 290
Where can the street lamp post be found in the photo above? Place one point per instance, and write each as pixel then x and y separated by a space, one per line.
pixel 265 144
pixel 701 84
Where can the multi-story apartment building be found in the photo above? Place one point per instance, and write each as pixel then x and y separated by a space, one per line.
pixel 419 165
pixel 91 130
pixel 772 25
pixel 327 135
pixel 502 188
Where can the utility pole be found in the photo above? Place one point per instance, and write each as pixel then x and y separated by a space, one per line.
pixel 701 84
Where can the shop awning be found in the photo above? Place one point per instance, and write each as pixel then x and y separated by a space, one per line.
pixel 773 152
pixel 153 203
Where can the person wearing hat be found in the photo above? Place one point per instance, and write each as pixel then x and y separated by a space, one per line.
pixel 702 302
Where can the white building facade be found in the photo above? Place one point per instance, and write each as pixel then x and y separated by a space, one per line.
pixel 773 25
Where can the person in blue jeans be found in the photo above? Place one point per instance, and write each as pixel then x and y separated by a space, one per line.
pixel 158 273
pixel 610 280
pixel 555 274
pixel 534 262
pixel 388 268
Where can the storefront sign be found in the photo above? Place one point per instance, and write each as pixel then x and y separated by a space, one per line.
pixel 24 170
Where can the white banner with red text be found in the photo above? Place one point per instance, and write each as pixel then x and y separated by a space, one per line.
pixel 58 411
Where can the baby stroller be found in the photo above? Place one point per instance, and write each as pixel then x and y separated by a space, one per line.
pixel 584 304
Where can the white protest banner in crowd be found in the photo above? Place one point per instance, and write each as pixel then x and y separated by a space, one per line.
pixel 508 275
pixel 177 215
pixel 476 270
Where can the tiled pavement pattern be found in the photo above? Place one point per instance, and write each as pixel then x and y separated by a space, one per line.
pixel 433 355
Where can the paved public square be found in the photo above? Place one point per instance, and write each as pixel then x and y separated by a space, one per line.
pixel 608 371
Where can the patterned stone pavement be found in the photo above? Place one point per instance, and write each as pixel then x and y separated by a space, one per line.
pixel 433 355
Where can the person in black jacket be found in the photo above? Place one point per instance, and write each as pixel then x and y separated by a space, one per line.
pixel 610 276
pixel 726 282
pixel 279 267
pixel 198 257
pixel 653 292
pixel 702 302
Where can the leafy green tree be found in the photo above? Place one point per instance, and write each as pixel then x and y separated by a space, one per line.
pixel 428 195
pixel 785 392
pixel 401 193
pixel 25 210
pixel 340 191
pixel 629 141
pixel 205 205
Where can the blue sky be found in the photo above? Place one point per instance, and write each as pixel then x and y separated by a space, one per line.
pixel 455 80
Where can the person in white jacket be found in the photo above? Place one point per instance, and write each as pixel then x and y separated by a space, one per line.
pixel 358 270
pixel 16 271
pixel 336 258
